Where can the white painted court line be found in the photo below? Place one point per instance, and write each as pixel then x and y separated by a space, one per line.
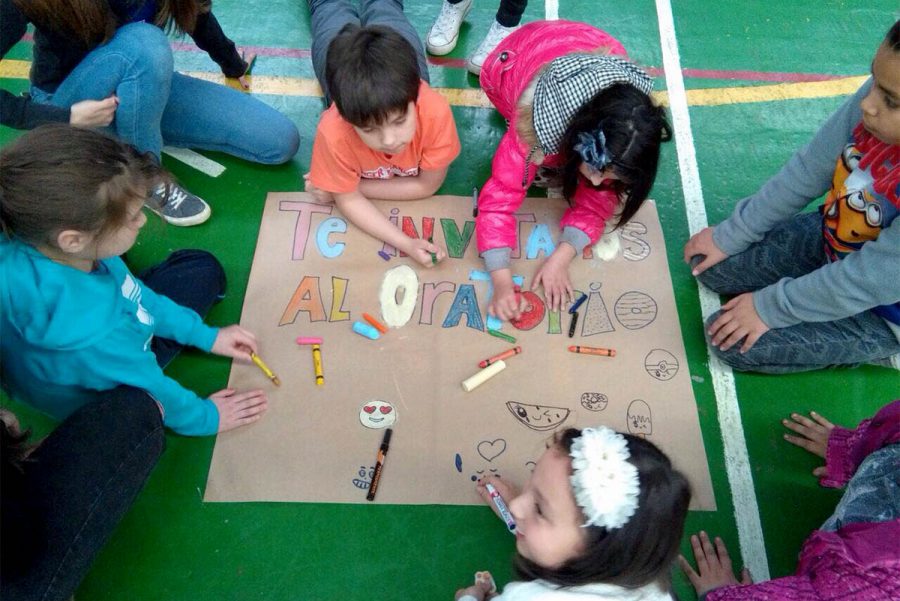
pixel 195 160
pixel 737 460
pixel 551 10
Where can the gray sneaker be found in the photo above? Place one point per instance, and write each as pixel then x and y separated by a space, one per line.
pixel 178 206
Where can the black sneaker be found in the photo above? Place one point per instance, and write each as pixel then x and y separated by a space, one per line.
pixel 178 206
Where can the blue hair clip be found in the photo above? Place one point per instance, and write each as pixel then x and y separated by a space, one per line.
pixel 592 148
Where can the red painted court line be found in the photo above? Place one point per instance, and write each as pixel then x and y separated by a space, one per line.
pixel 460 63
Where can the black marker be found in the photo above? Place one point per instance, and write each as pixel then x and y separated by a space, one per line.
pixel 572 324
pixel 379 463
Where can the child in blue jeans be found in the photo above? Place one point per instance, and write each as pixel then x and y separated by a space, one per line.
pixel 815 290
pixel 75 321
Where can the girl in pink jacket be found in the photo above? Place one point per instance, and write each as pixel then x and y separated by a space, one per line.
pixel 575 105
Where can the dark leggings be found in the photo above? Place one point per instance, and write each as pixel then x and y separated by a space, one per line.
pixel 510 12
pixel 74 489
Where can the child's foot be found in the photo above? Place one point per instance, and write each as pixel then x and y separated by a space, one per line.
pixel 178 206
pixel 495 35
pixel 444 34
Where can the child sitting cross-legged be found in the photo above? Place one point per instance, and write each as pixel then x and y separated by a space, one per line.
pixel 600 519
pixel 388 135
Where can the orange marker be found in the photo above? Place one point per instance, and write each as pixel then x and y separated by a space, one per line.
pixel 504 355
pixel 375 323
pixel 593 350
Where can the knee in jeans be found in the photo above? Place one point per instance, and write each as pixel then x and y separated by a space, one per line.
pixel 285 142
pixel 148 47
pixel 204 266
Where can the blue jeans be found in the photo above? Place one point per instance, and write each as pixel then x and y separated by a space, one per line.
pixel 158 106
pixel 873 494
pixel 791 250
pixel 193 279
pixel 73 491
pixel 328 17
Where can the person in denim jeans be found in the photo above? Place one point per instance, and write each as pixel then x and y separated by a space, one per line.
pixel 122 77
pixel 814 290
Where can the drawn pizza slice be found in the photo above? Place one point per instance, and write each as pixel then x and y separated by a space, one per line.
pixel 538 417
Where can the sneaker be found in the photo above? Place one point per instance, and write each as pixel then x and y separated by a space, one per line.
pixel 495 35
pixel 178 206
pixel 444 34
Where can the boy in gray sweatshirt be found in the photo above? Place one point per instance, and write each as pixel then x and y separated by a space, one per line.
pixel 822 289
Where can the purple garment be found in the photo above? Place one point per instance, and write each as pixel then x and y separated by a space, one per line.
pixel 860 561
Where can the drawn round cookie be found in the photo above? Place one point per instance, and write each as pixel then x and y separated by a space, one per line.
pixel 635 310
pixel 594 401
pixel 661 364
pixel 538 417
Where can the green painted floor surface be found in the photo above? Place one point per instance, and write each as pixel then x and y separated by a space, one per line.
pixel 173 546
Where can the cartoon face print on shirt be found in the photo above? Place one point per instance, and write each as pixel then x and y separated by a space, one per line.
pixel 852 215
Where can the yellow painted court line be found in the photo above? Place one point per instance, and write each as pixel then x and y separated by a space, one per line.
pixel 473 97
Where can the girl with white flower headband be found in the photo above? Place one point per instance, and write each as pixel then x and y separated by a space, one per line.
pixel 578 111
pixel 601 518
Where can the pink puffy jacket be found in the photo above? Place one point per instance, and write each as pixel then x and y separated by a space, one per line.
pixel 507 72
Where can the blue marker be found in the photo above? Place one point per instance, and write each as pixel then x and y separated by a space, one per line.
pixel 577 303
pixel 501 507
pixel 364 329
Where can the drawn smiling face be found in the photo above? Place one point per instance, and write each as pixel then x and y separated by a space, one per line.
pixel 377 414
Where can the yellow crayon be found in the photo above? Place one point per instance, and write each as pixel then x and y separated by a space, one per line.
pixel 317 364
pixel 265 368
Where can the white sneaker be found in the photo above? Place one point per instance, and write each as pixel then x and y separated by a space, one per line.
pixel 444 34
pixel 495 35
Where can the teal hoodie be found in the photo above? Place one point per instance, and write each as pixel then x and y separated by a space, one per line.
pixel 66 334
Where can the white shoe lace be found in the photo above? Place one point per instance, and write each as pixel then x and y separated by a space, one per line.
pixel 449 21
pixel 175 198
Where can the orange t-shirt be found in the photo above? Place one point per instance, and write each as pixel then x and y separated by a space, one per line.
pixel 340 158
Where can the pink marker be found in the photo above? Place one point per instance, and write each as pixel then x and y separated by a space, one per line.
pixel 308 340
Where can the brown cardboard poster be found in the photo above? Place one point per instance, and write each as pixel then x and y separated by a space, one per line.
pixel 314 274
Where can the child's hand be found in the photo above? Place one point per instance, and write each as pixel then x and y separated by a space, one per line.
pixel 234 341
pixel 504 488
pixel 713 565
pixel 480 591
pixel 553 275
pixel 813 435
pixel 238 409
pixel 702 243
pixel 506 303
pixel 244 79
pixel 320 196
pixel 93 113
pixel 738 320
pixel 420 250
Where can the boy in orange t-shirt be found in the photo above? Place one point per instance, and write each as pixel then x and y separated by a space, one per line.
pixel 388 135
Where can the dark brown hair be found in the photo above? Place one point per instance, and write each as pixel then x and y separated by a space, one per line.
pixel 371 73
pixel 641 551
pixel 93 21
pixel 58 177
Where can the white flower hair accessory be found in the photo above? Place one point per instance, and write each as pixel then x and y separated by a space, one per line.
pixel 606 485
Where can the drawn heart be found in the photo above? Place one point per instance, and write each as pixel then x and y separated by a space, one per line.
pixel 386 409
pixel 369 408
pixel 491 449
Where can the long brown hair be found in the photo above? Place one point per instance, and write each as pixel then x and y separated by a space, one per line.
pixel 58 177
pixel 93 22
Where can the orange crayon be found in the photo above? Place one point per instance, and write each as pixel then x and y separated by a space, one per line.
pixel 593 350
pixel 504 355
pixel 375 323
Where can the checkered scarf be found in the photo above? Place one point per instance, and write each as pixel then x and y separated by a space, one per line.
pixel 570 81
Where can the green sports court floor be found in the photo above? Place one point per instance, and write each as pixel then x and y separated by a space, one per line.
pixel 798 54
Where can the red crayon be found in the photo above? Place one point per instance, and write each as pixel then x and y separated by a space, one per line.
pixel 375 323
pixel 593 350
pixel 504 355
